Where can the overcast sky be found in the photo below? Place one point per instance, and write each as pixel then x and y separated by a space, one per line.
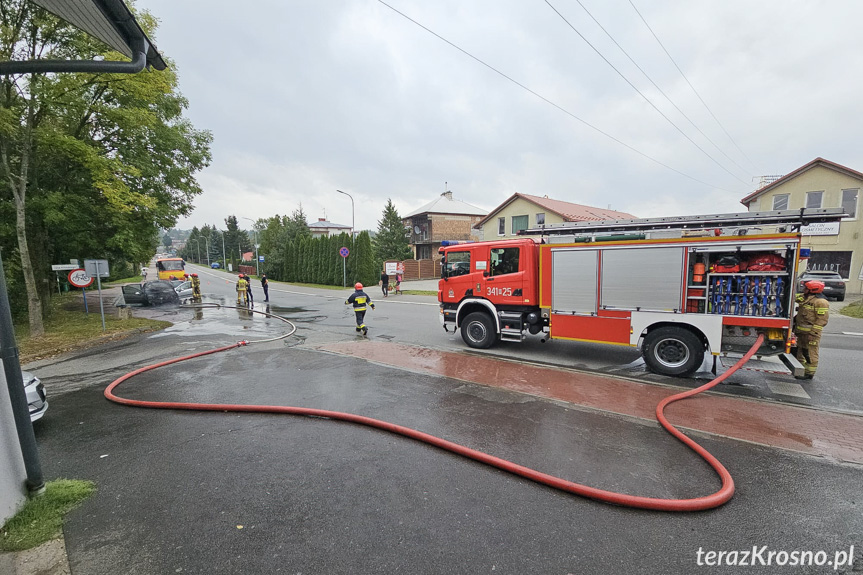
pixel 304 98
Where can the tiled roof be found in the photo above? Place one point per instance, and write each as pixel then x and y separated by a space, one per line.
pixel 444 204
pixel 567 210
pixel 326 224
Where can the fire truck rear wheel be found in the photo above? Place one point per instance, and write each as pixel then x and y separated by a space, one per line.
pixel 478 330
pixel 673 351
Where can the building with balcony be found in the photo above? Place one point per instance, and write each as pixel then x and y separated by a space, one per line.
pixel 444 218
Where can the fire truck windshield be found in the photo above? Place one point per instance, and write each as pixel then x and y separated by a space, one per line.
pixel 456 264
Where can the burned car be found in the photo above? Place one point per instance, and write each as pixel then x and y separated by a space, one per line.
pixel 157 292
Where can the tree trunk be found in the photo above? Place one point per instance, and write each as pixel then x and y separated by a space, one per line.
pixel 34 302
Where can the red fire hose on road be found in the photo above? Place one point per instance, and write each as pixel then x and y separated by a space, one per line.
pixel 696 504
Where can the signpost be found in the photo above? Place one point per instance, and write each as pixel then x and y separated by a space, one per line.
pixel 344 252
pixel 79 278
pixel 98 269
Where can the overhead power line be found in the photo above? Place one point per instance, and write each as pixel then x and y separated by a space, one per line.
pixel 640 93
pixel 547 101
pixel 649 79
pixel 691 86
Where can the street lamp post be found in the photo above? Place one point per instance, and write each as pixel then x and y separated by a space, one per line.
pixel 352 211
pixel 257 268
pixel 197 243
pixel 224 259
pixel 206 239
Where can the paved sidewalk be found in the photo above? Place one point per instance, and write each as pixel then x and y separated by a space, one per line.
pixel 815 432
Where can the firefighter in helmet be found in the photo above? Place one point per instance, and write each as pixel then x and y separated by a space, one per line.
pixel 813 312
pixel 196 288
pixel 242 290
pixel 359 299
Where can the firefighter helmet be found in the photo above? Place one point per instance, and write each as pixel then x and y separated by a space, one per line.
pixel 813 286
pixel 358 286
pixel 194 275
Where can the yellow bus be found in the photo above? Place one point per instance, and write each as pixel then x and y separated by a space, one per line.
pixel 171 268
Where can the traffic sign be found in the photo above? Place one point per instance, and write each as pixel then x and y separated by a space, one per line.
pixel 261 259
pixel 97 268
pixel 344 252
pixel 64 267
pixel 79 278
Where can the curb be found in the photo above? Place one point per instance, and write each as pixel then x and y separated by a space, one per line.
pixel 47 559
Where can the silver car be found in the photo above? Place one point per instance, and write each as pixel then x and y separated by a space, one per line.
pixel 36 399
pixel 184 290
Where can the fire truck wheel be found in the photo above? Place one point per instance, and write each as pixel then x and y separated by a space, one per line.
pixel 478 331
pixel 672 351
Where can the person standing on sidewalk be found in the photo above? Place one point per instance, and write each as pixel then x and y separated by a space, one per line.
pixel 813 313
pixel 359 299
pixel 266 286
pixel 385 282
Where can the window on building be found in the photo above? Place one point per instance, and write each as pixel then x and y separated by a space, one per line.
pixel 424 252
pixel 849 202
pixel 540 219
pixel 780 202
pixel 501 226
pixel 504 261
pixel 813 199
pixel 519 223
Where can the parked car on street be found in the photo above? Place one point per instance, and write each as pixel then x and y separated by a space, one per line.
pixel 37 401
pixel 157 292
pixel 834 285
pixel 215 265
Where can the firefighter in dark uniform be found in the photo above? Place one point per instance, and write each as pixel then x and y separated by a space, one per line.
pixel 196 288
pixel 359 299
pixel 813 312
pixel 242 290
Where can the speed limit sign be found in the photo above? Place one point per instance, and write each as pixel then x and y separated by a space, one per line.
pixel 79 278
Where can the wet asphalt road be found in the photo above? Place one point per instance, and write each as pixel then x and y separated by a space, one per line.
pixel 183 492
pixel 414 320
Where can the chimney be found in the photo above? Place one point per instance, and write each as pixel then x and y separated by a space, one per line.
pixel 322 219
pixel 447 195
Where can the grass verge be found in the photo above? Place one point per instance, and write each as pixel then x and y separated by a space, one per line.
pixel 68 328
pixel 853 310
pixel 41 518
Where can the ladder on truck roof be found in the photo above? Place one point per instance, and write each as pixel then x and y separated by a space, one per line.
pixel 793 218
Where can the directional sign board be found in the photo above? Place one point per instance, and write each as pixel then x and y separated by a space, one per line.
pixel 90 266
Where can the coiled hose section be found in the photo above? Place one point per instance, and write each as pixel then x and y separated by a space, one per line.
pixel 716 499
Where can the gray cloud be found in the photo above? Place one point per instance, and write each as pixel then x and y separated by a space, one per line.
pixel 307 97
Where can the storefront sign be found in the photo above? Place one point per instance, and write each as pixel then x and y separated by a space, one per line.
pixel 821 229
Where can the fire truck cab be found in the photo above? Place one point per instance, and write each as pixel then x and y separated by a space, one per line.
pixel 676 288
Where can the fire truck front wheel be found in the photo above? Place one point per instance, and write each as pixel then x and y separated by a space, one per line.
pixel 477 330
pixel 672 351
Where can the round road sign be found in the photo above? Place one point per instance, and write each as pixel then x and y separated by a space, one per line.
pixel 344 252
pixel 79 278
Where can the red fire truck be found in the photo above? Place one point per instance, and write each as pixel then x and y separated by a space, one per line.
pixel 676 288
